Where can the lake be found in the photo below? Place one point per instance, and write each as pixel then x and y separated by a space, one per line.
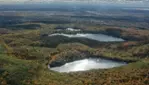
pixel 87 64
pixel 98 37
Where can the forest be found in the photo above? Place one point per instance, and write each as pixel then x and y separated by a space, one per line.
pixel 27 46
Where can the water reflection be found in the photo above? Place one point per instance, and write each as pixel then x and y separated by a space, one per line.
pixel 87 64
pixel 98 37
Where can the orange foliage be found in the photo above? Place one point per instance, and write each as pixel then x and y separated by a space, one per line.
pixel 127 44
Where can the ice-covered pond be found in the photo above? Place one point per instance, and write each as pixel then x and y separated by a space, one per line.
pixel 87 64
pixel 98 37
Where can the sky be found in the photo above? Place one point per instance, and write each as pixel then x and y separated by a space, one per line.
pixel 34 1
pixel 49 1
